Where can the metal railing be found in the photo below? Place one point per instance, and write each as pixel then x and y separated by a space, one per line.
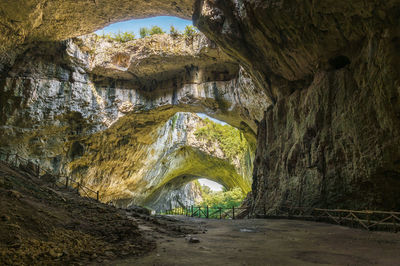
pixel 16 161
pixel 206 212
pixel 365 219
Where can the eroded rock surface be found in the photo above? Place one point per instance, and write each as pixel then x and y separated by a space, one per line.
pixel 28 21
pixel 130 171
pixel 331 68
pixel 71 107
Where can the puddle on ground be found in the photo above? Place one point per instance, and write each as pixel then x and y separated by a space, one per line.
pixel 245 230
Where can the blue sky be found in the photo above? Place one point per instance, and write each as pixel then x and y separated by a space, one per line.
pixel 212 119
pixel 134 25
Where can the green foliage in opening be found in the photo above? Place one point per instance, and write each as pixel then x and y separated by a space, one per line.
pixel 120 36
pixel 174 32
pixel 144 32
pixel 230 139
pixel 224 199
pixel 156 30
pixel 189 32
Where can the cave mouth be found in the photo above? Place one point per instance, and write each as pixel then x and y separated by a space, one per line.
pixel 200 158
pixel 134 26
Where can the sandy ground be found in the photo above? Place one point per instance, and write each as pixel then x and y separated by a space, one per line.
pixel 273 242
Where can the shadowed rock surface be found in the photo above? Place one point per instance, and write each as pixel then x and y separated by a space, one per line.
pixel 25 22
pixel 331 68
pixel 73 108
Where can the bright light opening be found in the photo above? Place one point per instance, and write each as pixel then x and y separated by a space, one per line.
pixel 204 116
pixel 134 25
pixel 214 186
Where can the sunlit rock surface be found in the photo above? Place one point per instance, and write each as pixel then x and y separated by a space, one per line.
pixel 25 22
pixel 176 195
pixel 130 171
pixel 56 111
pixel 330 68
pixel 332 137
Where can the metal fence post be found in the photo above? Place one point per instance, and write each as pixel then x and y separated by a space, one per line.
pixel 97 195
pixel 192 210
pixel 66 182
pixel 207 211
pixel 233 212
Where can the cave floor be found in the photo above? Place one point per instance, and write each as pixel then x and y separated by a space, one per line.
pixel 272 242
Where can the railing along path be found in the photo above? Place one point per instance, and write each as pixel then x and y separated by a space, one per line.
pixel 14 160
pixel 365 219
pixel 206 212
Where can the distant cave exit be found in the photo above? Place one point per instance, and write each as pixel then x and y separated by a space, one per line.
pixel 211 163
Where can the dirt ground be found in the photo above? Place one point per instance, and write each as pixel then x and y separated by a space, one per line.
pixel 41 224
pixel 273 242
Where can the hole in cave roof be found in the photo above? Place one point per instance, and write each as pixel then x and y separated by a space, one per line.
pixel 134 25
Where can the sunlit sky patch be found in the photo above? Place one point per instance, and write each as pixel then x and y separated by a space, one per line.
pixel 214 186
pixel 134 25
pixel 203 116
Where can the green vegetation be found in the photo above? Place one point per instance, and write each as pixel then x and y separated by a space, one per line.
pixel 173 32
pixel 174 118
pixel 119 37
pixel 224 199
pixel 156 30
pixel 144 32
pixel 230 139
pixel 190 32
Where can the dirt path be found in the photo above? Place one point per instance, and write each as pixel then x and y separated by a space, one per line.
pixel 274 242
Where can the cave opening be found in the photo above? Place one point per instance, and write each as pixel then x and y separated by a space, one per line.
pixel 329 142
pixel 193 147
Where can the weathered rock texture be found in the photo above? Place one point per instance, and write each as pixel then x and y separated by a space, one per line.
pixel 332 69
pixel 63 106
pixel 29 21
pixel 127 170
pixel 176 195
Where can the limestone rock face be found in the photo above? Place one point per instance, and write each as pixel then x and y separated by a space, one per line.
pixel 28 21
pixel 158 61
pixel 58 108
pixel 127 170
pixel 331 68
pixel 177 196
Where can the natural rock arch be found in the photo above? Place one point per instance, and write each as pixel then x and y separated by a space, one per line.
pixel 130 173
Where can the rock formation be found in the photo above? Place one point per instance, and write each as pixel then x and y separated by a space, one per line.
pixel 331 68
pixel 26 22
pixel 73 106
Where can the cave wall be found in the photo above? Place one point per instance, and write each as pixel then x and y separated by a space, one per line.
pixel 23 23
pixel 330 68
pixel 75 109
pixel 331 139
